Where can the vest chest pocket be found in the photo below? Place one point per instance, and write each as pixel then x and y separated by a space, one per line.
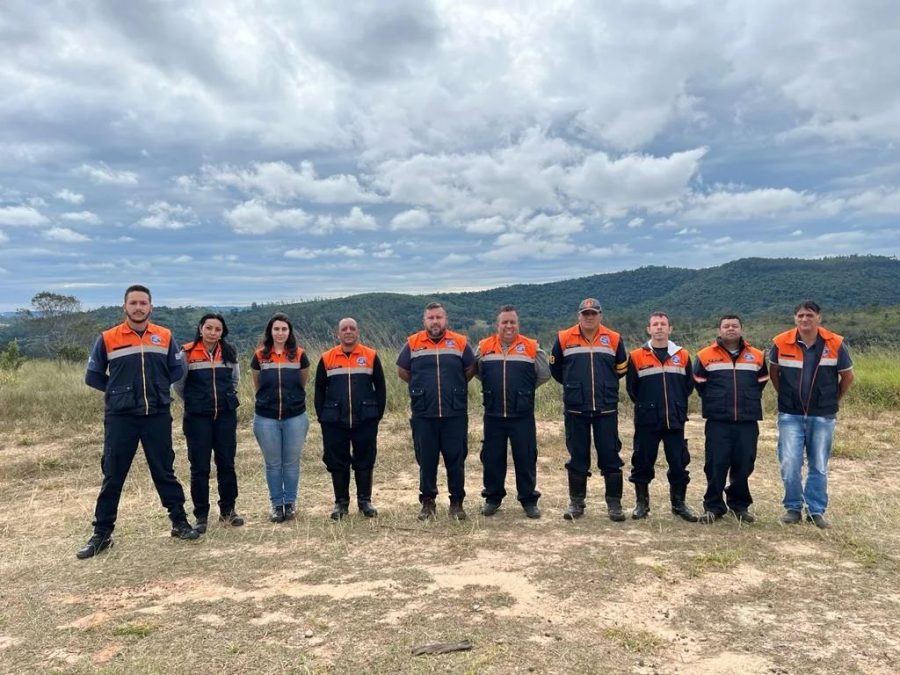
pixel 331 412
pixel 120 399
pixel 646 414
pixel 487 398
pixel 369 410
pixel 524 401
pixel 460 398
pixel 417 399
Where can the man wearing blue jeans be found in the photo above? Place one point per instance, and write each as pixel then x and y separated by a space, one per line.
pixel 811 370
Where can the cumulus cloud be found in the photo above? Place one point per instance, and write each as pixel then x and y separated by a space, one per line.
pixel 413 219
pixel 69 196
pixel 164 216
pixel 65 235
pixel 3 237
pixel 102 174
pixel 279 181
pixel 88 217
pixel 255 217
pixel 764 203
pixel 21 216
pixel 312 254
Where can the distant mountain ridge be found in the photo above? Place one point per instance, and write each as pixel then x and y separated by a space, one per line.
pixel 762 290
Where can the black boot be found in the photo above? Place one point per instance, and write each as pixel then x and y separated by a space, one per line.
pixel 679 508
pixel 340 480
pixel 428 509
pixel 577 494
pixel 614 496
pixel 641 501
pixel 364 493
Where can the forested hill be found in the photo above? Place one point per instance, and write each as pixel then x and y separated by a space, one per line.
pixel 764 291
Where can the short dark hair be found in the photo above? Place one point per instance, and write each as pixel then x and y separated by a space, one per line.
pixel 731 316
pixel 507 308
pixel 811 305
pixel 662 314
pixel 435 305
pixel 140 289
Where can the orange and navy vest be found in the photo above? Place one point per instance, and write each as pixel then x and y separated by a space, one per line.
pixel 822 399
pixel 508 378
pixel 350 397
pixel 281 393
pixel 660 391
pixel 209 385
pixel 139 373
pixel 731 387
pixel 590 373
pixel 437 376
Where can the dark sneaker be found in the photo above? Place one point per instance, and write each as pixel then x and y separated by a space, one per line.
pixel 574 512
pixel 231 517
pixel 456 511
pixel 183 530
pixel 277 514
pixel 427 511
pixel 490 508
pixel 790 517
pixel 340 511
pixel 366 508
pixel 96 544
pixel 708 517
pixel 819 520
pixel 202 522
pixel 532 511
pixel 289 512
pixel 745 517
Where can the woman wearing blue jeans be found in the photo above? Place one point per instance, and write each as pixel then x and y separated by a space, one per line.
pixel 280 369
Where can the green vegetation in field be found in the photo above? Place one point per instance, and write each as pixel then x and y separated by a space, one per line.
pixel 138 630
pixel 716 560
pixel 633 639
pixel 877 383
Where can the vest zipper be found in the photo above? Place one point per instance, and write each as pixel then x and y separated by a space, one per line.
pixel 279 391
pixel 144 377
pixel 349 388
pixel 437 357
pixel 215 392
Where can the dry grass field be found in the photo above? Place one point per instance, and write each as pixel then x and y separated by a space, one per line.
pixel 546 596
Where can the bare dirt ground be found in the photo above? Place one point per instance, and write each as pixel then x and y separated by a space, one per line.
pixel 547 596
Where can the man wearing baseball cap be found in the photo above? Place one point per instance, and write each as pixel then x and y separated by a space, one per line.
pixel 588 359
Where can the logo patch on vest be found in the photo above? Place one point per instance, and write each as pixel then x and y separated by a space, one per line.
pixel 155 339
pixel 520 348
pixel 451 342
pixel 825 351
pixel 676 360
pixel 748 357
pixel 604 339
pixel 360 360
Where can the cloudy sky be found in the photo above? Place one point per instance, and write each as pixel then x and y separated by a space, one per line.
pixel 233 151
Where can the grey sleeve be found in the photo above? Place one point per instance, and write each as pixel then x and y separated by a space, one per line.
pixel 178 385
pixel 236 375
pixel 541 367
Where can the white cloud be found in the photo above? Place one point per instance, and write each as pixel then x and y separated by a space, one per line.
pixel 182 259
pixel 454 259
pixel 337 251
pixel 102 174
pixel 279 181
pixel 165 216
pixel 82 217
pixel 383 250
pixel 3 237
pixel 231 257
pixel 763 203
pixel 882 201
pixel 493 225
pixel 516 245
pixel 356 220
pixel 65 235
pixel 255 217
pixel 21 216
pixel 413 219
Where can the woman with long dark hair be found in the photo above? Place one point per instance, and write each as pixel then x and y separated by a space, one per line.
pixel 280 369
pixel 209 390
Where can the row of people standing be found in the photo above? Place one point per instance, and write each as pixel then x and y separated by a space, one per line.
pixel 134 362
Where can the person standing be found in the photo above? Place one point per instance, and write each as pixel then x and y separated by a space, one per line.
pixel 280 369
pixel 209 390
pixel 811 369
pixel 589 359
pixel 134 364
pixel 511 367
pixel 729 376
pixel 659 382
pixel 438 364
pixel 350 398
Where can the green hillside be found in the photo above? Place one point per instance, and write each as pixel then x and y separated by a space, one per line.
pixel 860 296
